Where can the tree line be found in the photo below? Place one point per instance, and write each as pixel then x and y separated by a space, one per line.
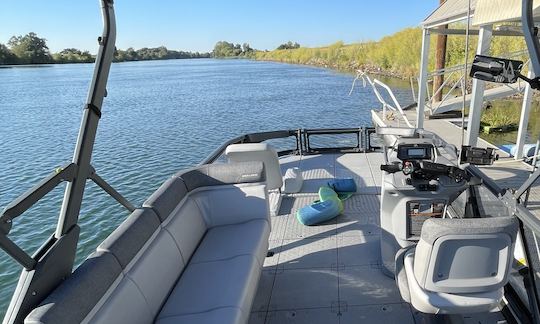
pixel 32 49
pixel 224 49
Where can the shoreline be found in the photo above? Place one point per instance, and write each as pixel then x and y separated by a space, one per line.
pixel 92 62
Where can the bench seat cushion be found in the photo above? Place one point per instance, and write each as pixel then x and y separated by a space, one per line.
pixel 207 286
pixel 220 315
pixel 228 241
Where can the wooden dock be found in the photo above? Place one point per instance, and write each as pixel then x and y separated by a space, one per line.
pixel 506 172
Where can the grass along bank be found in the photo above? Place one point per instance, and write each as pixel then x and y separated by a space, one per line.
pixel 395 55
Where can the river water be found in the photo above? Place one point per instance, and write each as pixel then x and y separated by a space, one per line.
pixel 159 117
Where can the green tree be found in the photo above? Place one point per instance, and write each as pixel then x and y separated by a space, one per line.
pixel 6 57
pixel 30 49
pixel 223 49
pixel 73 55
pixel 288 45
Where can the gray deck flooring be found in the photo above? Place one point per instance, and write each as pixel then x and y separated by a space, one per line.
pixel 331 273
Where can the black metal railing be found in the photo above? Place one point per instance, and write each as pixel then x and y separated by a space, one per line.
pixel 529 231
pixel 303 141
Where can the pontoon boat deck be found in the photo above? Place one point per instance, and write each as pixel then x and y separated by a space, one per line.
pixel 331 273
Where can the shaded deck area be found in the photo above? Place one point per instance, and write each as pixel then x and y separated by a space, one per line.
pixel 331 273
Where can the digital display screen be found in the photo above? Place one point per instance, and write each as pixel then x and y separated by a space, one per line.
pixel 416 152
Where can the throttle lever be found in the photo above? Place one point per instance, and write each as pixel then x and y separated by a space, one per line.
pixel 391 168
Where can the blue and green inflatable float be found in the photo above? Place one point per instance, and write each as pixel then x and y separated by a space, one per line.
pixel 330 203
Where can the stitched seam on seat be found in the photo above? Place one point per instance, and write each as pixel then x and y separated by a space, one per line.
pixel 143 295
pixel 228 186
pixel 227 259
pixel 244 222
pixel 186 264
pixel 175 210
pixel 137 256
pixel 205 217
pixel 143 249
pixel 175 244
pixel 205 311
pixel 99 304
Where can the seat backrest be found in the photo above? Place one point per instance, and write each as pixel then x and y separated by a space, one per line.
pixel 228 193
pixel 468 255
pixel 258 152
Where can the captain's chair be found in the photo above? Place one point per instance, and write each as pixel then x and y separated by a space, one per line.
pixel 459 265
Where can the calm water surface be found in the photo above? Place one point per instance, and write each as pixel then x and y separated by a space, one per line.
pixel 158 118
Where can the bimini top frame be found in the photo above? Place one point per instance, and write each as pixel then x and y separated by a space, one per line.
pixel 54 260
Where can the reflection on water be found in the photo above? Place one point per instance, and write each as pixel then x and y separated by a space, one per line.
pixel 514 107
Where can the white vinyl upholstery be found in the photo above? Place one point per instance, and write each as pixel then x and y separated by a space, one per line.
pixel 192 254
pixel 120 306
pixel 187 227
pixel 445 303
pixel 156 271
pixel 459 266
pixel 218 206
pixel 211 285
pixel 292 180
pixel 228 241
pixel 258 152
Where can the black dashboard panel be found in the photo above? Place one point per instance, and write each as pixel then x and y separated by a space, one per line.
pixel 414 152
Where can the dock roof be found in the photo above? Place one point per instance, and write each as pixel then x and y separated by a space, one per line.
pixel 496 11
pixel 483 12
pixel 448 12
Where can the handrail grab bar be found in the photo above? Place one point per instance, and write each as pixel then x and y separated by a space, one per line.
pixel 396 103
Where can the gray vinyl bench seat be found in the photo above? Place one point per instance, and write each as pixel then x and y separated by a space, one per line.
pixel 192 254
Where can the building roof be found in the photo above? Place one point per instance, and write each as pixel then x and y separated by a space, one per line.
pixel 449 11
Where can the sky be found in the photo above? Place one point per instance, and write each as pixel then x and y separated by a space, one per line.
pixel 196 25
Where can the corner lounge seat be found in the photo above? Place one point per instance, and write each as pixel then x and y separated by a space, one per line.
pixel 459 266
pixel 192 254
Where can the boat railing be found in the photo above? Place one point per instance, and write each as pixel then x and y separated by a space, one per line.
pixel 513 203
pixel 395 107
pixel 305 142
